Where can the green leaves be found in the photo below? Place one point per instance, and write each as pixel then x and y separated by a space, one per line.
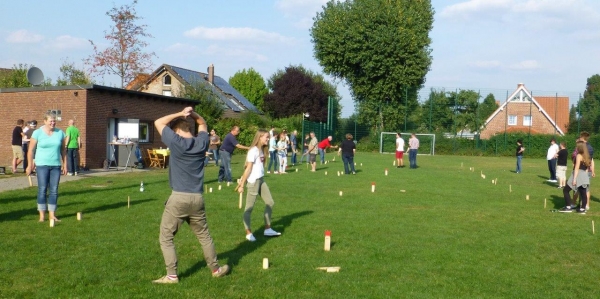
pixel 251 85
pixel 379 47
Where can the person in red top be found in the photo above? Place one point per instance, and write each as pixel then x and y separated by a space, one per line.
pixel 323 145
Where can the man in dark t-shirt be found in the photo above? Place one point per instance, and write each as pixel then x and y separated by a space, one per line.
pixel 186 178
pixel 229 144
pixel 17 145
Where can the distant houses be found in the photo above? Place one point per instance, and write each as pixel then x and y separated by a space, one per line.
pixel 171 80
pixel 523 112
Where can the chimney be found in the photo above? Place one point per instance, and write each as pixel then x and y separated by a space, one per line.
pixel 520 85
pixel 211 73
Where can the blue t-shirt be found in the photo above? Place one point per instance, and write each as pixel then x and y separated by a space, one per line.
pixel 48 151
pixel 186 161
pixel 229 143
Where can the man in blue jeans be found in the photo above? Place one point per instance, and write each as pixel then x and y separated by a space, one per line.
pixel 229 144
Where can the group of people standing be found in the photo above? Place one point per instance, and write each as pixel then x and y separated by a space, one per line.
pixel 413 148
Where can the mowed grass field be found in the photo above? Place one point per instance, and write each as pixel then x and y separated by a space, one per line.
pixel 450 234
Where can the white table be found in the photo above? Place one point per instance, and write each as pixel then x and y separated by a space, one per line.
pixel 128 146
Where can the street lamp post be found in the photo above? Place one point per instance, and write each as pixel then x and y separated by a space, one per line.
pixel 304 116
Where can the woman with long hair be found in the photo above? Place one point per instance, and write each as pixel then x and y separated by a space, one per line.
pixel 579 180
pixel 49 145
pixel 254 177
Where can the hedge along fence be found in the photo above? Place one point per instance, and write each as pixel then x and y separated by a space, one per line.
pixel 536 146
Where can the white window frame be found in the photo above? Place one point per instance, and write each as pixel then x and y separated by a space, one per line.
pixel 167 93
pixel 513 120
pixel 525 118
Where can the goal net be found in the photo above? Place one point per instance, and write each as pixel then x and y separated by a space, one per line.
pixel 387 143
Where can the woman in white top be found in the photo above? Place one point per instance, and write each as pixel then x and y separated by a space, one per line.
pixel 282 152
pixel 254 176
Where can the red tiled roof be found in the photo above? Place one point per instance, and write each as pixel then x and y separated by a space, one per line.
pixel 557 108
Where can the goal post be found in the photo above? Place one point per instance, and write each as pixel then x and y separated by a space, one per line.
pixel 387 143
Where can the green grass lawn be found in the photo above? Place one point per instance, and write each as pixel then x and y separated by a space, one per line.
pixel 451 234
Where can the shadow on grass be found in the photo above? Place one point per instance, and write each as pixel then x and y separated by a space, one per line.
pixel 235 255
pixel 19 214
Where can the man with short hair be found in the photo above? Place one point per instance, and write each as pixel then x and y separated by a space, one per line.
pixel 17 145
pixel 213 147
pixel 413 147
pixel 294 145
pixel 229 144
pixel 313 145
pixel 73 146
pixel 551 156
pixel 324 145
pixel 186 202
pixel 27 131
pixel 399 150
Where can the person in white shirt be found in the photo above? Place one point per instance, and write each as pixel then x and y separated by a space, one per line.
pixel 551 157
pixel 254 176
pixel 399 150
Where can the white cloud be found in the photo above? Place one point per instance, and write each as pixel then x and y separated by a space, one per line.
pixel 237 34
pixel 525 65
pixel 23 36
pixel 485 64
pixel 65 42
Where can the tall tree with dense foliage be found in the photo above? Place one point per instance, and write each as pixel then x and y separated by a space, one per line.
pixel 210 106
pixel 296 90
pixel 380 48
pixel 251 85
pixel 589 106
pixel 125 56
pixel 437 112
pixel 487 107
pixel 71 75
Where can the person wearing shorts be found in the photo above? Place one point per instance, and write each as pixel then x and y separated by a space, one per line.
pixel 561 165
pixel 313 151
pixel 399 150
pixel 17 145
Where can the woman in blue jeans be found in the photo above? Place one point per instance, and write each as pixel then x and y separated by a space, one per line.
pixel 49 146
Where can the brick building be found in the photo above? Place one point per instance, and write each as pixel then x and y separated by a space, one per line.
pixel 523 112
pixel 171 80
pixel 99 112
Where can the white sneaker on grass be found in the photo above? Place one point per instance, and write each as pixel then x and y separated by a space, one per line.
pixel 269 232
pixel 166 280
pixel 250 237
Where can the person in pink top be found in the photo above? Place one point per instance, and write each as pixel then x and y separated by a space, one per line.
pixel 413 147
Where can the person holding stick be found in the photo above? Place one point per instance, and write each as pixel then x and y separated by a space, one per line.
pixel 312 151
pixel 186 178
pixel 254 177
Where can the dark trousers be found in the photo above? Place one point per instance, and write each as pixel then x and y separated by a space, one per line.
pixel 25 149
pixel 72 160
pixel 582 196
pixel 348 163
pixel 412 158
pixel 552 168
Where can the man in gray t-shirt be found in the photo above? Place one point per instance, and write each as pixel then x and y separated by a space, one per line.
pixel 186 178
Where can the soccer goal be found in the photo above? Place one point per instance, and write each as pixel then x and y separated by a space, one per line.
pixel 387 143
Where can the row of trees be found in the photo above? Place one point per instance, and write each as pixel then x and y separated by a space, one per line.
pixel 69 75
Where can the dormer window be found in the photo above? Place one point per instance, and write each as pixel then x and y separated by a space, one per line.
pixel 167 80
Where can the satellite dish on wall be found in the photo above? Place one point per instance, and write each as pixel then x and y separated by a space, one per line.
pixel 35 76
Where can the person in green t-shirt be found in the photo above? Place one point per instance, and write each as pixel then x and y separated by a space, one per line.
pixel 73 146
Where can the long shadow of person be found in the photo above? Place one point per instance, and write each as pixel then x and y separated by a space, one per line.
pixel 236 254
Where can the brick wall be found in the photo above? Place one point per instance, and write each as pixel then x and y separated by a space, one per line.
pixel 540 124
pixel 90 108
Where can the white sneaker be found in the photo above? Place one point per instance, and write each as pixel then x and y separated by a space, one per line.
pixel 250 237
pixel 269 232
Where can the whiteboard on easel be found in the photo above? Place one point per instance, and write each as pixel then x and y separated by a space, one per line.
pixel 128 128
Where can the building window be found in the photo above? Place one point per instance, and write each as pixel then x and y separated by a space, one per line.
pixel 56 113
pixel 512 120
pixel 167 93
pixel 144 135
pixel 167 80
pixel 527 120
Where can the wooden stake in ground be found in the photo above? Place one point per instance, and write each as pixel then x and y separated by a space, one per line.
pixel 296 169
pixel 386 171
pixel 544 203
pixel 338 173
pixel 325 172
pixel 394 164
pixel 373 187
pixel 79 216
pixel 265 263
pixel 30 182
pixel 210 190
pixel 526 197
pixel 128 202
pixel 496 181
pixel 51 222
pixel 593 228
pixel 341 193
pixel 240 204
pixel 219 187
pixel 509 188
pixel 327 240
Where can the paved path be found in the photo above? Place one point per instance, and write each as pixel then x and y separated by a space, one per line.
pixel 21 182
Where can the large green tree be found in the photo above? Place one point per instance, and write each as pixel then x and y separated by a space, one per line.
pixel 210 107
pixel 487 107
pixel 381 49
pixel 251 85
pixel 589 106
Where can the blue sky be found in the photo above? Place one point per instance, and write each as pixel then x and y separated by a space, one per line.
pixel 552 46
